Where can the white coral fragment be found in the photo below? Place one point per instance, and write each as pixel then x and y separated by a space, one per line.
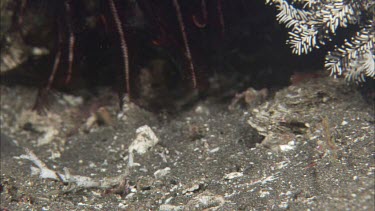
pixel 145 140
pixel 77 180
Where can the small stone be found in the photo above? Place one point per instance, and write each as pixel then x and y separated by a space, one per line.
pixel 73 100
pixel 145 140
pixel 343 123
pixel 291 143
pixel 233 175
pixel 284 205
pixel 103 116
pixel 205 201
pixel 129 196
pixel 145 183
pixel 39 51
pixel 214 150
pixel 168 200
pixel 286 148
pixel 162 172
pixel 263 193
pixel 48 136
pixel 192 189
pixel 122 205
pixel 168 207
pixel 202 110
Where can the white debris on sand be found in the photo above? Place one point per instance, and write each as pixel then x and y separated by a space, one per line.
pixel 48 125
pixel 233 175
pixel 145 140
pixel 287 147
pixel 77 180
pixel 49 135
pixel 162 172
pixel 205 201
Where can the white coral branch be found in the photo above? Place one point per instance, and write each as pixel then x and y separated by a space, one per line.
pixel 77 180
pixel 44 171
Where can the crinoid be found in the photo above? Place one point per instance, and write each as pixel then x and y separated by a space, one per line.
pixel 144 48
pixel 166 26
